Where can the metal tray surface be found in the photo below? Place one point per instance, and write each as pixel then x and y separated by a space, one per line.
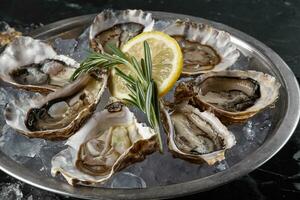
pixel 285 120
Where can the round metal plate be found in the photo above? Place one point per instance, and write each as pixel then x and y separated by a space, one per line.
pixel 289 102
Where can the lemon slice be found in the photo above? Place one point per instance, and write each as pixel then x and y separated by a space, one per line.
pixel 167 62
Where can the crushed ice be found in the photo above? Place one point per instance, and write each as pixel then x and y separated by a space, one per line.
pixel 19 147
pixel 127 180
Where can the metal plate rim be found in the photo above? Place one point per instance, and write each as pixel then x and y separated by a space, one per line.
pixel 264 153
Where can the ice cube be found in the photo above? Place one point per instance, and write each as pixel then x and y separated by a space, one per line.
pixel 11 192
pixel 221 166
pixel 257 127
pixel 127 180
pixel 47 152
pixel 35 164
pixel 162 24
pixel 249 131
pixel 19 147
pixel 4 97
pixel 76 48
pixel 65 47
pixel 242 63
pixel 81 50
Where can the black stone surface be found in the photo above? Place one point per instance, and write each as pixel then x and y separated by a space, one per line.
pixel 275 23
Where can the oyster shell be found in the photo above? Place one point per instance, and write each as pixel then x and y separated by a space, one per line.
pixel 117 27
pixel 204 48
pixel 33 65
pixel 59 114
pixel 110 141
pixel 233 95
pixel 196 136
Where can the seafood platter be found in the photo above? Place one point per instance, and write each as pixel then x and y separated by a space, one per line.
pixel 132 104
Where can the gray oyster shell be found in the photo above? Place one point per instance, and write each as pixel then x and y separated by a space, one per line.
pixel 117 27
pixel 232 95
pixel 195 136
pixel 204 48
pixel 32 65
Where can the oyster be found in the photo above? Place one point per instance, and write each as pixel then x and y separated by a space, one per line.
pixel 233 95
pixel 204 48
pixel 117 27
pixel 33 65
pixel 110 141
pixel 59 114
pixel 196 136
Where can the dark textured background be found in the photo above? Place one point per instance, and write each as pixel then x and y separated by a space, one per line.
pixel 275 23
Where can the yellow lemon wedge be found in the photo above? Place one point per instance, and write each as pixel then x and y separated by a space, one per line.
pixel 167 62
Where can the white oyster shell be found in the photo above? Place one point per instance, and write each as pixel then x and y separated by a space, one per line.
pixel 248 91
pixel 196 136
pixel 26 53
pixel 200 40
pixel 59 114
pixel 130 22
pixel 110 140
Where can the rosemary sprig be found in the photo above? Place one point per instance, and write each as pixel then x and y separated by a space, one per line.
pixel 143 89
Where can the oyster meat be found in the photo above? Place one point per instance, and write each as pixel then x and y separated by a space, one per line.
pixel 204 48
pixel 196 136
pixel 33 65
pixel 110 141
pixel 117 27
pixel 232 95
pixel 59 114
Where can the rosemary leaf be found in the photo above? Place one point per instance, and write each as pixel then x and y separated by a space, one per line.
pixel 125 77
pixel 148 61
pixel 117 51
pixel 148 102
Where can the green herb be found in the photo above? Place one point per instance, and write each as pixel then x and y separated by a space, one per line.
pixel 143 89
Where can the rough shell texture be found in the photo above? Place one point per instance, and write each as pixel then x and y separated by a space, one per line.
pixel 205 35
pixel 207 124
pixel 19 113
pixel 107 19
pixel 26 51
pixel 71 164
pixel 268 88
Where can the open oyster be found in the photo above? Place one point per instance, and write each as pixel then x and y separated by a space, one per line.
pixel 33 65
pixel 110 141
pixel 117 27
pixel 232 95
pixel 204 48
pixel 196 136
pixel 59 114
